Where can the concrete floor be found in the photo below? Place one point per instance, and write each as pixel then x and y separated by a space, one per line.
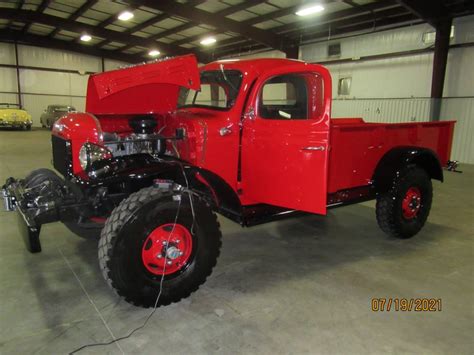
pixel 297 286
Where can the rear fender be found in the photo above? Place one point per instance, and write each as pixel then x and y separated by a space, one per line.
pixel 398 158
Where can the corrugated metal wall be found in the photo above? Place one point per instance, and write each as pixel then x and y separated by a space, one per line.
pixel 41 88
pixel 416 110
pixel 461 110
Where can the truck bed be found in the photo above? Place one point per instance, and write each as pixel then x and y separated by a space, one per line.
pixel 357 146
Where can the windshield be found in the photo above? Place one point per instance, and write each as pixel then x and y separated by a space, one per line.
pixel 219 90
pixel 63 108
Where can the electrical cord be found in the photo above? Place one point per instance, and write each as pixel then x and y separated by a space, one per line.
pixel 155 307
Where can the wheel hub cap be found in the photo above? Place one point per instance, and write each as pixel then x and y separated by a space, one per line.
pixel 411 203
pixel 167 249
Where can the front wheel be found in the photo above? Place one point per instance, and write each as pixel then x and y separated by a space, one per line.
pixel 157 248
pixel 403 211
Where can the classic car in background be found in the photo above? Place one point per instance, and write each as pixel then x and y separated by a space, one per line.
pixel 14 116
pixel 53 113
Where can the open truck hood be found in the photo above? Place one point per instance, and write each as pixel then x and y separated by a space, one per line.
pixel 147 88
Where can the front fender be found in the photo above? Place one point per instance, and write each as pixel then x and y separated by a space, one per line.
pixel 140 170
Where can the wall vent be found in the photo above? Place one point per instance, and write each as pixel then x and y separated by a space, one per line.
pixel 334 50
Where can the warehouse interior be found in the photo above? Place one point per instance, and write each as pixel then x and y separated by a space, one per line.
pixel 301 285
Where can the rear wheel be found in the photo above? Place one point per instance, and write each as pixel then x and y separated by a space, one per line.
pixel 403 211
pixel 155 250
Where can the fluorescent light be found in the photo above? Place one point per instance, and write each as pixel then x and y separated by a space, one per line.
pixel 208 41
pixel 85 37
pixel 310 10
pixel 125 15
pixel 154 53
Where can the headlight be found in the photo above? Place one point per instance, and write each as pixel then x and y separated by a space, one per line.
pixel 89 153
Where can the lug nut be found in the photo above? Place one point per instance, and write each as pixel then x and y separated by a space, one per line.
pixel 169 262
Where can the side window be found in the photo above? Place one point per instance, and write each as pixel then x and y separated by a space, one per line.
pixel 285 97
pixel 211 95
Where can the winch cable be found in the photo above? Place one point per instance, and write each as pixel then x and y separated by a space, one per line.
pixel 155 307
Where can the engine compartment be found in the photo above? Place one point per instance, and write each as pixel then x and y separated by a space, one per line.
pixel 144 138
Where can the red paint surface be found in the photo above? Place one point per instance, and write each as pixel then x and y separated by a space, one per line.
pixel 411 203
pixel 78 128
pixel 357 147
pixel 154 249
pixel 274 168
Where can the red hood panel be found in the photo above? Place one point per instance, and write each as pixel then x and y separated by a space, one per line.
pixel 147 88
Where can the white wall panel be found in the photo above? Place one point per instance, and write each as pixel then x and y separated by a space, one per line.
pixel 461 110
pixel 386 78
pixel 267 54
pixel 459 72
pixel 8 79
pixel 111 64
pixel 50 58
pixel 390 41
pixel 383 110
pixel 78 84
pixel 8 98
pixel 44 82
pixel 7 53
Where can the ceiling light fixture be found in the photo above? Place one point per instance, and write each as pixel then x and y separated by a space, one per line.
pixel 125 15
pixel 85 37
pixel 310 10
pixel 208 41
pixel 154 53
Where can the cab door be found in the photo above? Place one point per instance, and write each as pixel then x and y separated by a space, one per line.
pixel 285 140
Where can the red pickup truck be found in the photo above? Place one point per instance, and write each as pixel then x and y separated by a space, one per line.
pixel 164 146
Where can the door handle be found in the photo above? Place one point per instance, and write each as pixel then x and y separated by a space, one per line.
pixel 319 147
pixel 224 131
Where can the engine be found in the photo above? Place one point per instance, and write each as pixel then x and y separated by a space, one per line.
pixel 144 139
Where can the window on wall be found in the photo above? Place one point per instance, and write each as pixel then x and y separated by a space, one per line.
pixel 344 86
pixel 285 97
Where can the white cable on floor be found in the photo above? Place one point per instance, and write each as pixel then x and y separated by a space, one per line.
pixel 90 300
pixel 155 307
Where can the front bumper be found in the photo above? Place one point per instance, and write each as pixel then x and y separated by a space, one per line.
pixel 13 197
pixel 15 124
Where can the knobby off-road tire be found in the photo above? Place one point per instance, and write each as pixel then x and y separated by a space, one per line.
pixel 39 176
pixel 127 258
pixel 403 210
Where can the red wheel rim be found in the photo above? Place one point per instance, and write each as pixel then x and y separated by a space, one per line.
pixel 167 249
pixel 411 203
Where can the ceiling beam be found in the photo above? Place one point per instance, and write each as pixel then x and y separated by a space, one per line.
pixel 370 8
pixel 225 12
pixel 337 28
pixel 75 15
pixel 110 20
pixel 221 23
pixel 78 27
pixel 138 28
pixel 432 11
pixel 43 41
pixel 152 21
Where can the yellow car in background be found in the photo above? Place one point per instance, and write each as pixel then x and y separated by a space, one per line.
pixel 13 116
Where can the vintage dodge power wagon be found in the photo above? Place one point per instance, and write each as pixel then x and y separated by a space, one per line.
pixel 164 146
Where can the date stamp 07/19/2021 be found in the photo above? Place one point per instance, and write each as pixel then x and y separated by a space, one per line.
pixel 406 304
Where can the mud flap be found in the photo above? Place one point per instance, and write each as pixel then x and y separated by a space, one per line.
pixel 30 234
